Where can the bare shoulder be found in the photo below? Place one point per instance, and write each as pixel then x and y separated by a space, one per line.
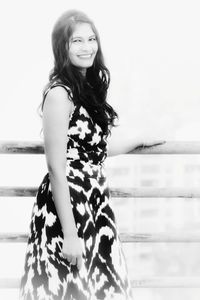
pixel 57 98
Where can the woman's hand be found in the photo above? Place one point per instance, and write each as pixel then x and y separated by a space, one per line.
pixel 148 144
pixel 72 250
pixel 124 139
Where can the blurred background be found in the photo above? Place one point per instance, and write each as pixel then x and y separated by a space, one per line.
pixel 152 50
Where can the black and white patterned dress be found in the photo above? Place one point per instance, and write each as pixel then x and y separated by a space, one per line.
pixel 103 275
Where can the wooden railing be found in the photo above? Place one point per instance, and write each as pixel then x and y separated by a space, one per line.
pixel 11 147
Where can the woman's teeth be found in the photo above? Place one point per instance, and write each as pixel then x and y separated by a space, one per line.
pixel 85 56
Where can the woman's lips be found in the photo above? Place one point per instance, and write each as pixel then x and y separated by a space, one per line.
pixel 85 55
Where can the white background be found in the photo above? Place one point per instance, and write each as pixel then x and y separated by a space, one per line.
pixel 152 50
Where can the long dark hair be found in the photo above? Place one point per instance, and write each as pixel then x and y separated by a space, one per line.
pixel 89 91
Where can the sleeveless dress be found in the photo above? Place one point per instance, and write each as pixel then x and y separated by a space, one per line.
pixel 103 275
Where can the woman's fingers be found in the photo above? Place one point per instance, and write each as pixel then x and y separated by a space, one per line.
pixel 79 261
pixel 67 257
pixel 73 260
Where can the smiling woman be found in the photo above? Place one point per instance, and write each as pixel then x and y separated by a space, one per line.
pixel 74 251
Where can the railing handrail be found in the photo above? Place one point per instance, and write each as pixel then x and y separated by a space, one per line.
pixel 169 237
pixel 144 192
pixel 153 282
pixel 170 147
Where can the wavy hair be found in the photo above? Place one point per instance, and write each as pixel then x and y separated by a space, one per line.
pixel 89 91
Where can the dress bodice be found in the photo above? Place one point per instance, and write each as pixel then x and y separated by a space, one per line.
pixel 86 140
pixel 87 145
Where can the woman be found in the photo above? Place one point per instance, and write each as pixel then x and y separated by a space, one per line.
pixel 74 252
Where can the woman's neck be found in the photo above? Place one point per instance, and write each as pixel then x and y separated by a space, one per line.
pixel 83 72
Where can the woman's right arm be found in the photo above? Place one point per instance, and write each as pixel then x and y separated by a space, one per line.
pixel 56 112
pixel 122 140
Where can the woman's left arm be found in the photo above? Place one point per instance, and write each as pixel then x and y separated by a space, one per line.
pixel 122 141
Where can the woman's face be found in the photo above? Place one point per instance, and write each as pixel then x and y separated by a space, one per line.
pixel 83 46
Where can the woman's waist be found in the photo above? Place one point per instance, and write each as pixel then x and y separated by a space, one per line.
pixel 94 156
pixel 77 167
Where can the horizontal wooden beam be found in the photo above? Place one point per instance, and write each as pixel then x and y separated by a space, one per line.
pixel 162 237
pixel 169 237
pixel 21 147
pixel 167 282
pixel 170 147
pixel 25 191
pixel 17 237
pixel 155 192
pixel 16 191
pixel 154 282
pixel 159 147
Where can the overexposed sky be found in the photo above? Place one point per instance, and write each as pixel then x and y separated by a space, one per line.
pixel 151 48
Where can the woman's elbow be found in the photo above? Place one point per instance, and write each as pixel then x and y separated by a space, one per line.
pixel 56 170
pixel 112 151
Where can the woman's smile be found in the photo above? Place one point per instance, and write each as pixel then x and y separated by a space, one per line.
pixel 85 55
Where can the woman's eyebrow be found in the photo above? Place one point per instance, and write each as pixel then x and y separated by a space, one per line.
pixel 76 37
pixel 82 37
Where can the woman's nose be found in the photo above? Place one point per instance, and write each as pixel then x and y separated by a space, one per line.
pixel 86 47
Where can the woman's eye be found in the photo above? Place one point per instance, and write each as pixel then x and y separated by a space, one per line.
pixel 76 41
pixel 93 39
